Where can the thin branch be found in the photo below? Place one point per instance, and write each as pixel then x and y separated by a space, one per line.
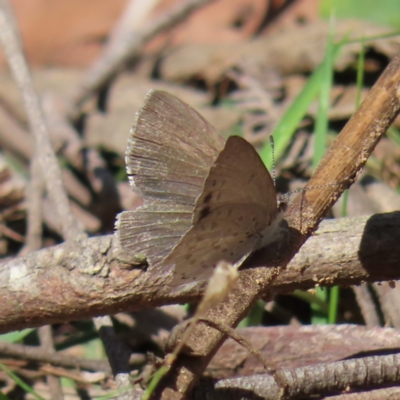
pixel 128 47
pixel 57 359
pixel 50 168
pixel 47 342
pixel 34 195
pixel 367 305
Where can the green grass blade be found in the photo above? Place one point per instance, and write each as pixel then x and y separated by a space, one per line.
pixel 321 123
pixel 288 124
pixel 14 337
pixel 20 382
pixel 3 396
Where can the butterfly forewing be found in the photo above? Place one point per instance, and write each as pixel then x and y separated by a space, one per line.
pixel 170 151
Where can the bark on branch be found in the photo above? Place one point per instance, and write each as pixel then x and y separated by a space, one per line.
pixel 73 281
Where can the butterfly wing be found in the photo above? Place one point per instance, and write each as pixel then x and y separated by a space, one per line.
pixel 170 151
pixel 237 203
pixel 238 177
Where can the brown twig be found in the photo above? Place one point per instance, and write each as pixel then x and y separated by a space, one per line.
pixel 367 305
pixel 95 212
pixel 53 282
pixel 388 295
pixel 58 359
pixel 46 342
pixel 237 337
pixel 34 195
pixel 118 352
pixel 366 372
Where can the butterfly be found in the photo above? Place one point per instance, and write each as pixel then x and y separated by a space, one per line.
pixel 205 199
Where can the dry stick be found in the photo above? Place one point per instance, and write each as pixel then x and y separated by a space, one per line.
pixel 367 305
pixel 33 242
pixel 118 352
pixel 387 393
pixel 50 168
pixel 48 160
pixel 38 354
pixel 51 172
pixel 240 339
pixel 343 161
pixel 46 342
pixel 14 138
pixel 36 185
pixel 34 195
pixel 134 17
pixel 345 251
pixel 328 378
pixel 389 301
pixel 127 48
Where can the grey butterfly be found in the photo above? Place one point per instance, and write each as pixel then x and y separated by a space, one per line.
pixel 205 200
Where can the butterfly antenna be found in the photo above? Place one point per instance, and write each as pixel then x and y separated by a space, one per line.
pixel 283 199
pixel 273 171
pixel 306 189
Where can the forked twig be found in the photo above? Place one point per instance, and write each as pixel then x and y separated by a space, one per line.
pixel 126 48
pixel 50 168
pixel 342 163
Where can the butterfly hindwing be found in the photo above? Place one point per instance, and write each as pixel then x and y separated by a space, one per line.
pixel 237 203
pixel 218 236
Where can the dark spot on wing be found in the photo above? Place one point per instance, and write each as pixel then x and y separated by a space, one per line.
pixel 204 212
pixel 208 198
